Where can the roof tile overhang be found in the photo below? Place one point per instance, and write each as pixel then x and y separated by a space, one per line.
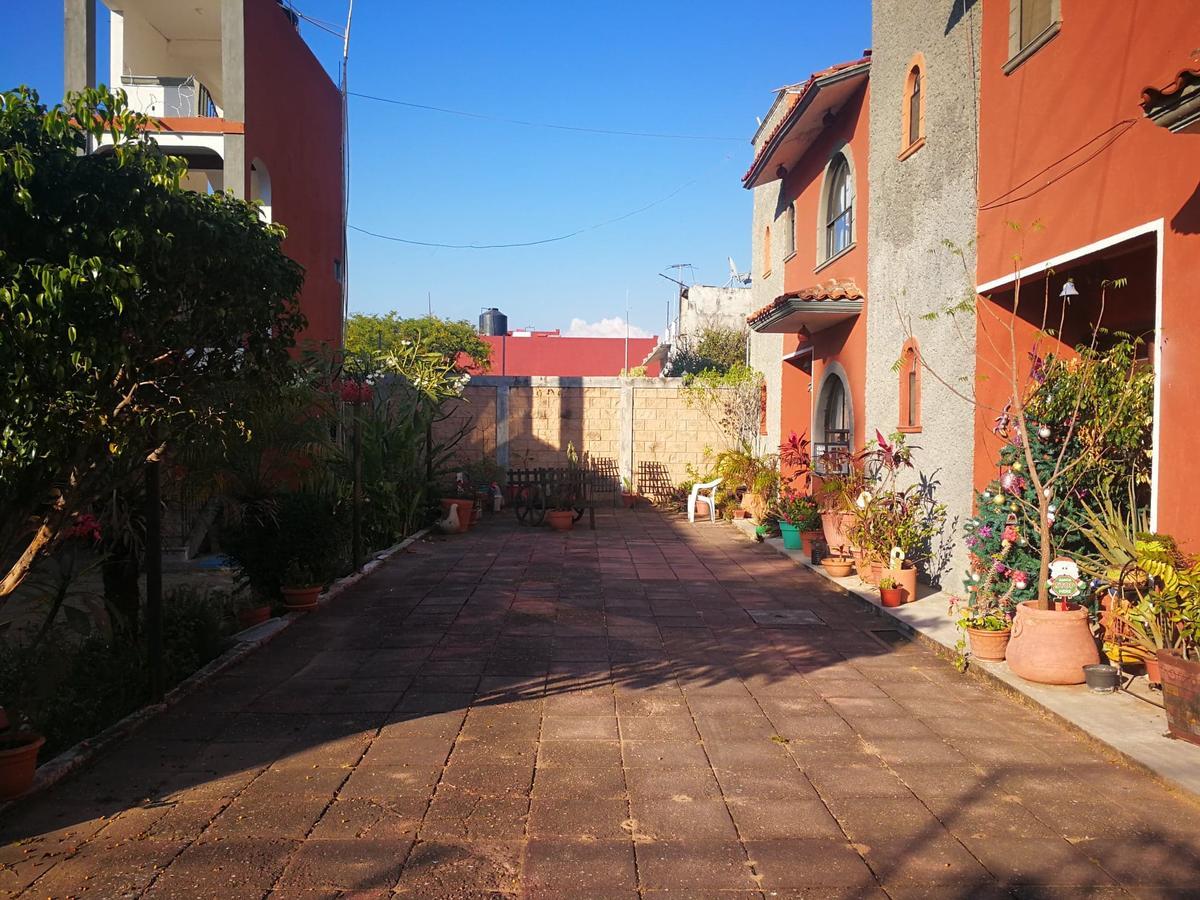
pixel 824 92
pixel 1176 106
pixel 814 308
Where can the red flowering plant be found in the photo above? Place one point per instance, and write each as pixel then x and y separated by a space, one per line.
pixel 800 510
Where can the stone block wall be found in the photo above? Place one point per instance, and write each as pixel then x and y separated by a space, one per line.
pixel 644 425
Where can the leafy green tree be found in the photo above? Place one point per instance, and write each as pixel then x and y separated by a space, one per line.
pixel 132 312
pixel 388 334
pixel 715 348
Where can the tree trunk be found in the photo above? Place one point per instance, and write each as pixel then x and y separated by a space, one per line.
pixel 121 590
pixel 1043 600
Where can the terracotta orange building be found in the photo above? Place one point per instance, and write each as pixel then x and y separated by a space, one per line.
pixel 810 175
pixel 1088 168
pixel 242 98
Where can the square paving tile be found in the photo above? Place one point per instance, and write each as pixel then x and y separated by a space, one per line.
pixel 694 865
pixel 807 864
pixel 558 868
pixel 785 618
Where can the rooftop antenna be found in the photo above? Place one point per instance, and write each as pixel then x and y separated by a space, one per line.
pixel 736 277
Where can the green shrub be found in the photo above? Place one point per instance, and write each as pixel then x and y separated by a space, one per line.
pixel 71 689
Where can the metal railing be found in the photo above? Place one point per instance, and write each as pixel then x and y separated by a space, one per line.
pixel 169 95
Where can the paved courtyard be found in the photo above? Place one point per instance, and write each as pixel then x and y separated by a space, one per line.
pixel 635 711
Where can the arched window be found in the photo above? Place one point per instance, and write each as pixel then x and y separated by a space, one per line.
pixel 839 207
pixel 260 188
pixel 791 229
pixel 766 254
pixel 913 112
pixel 914 106
pixel 910 388
pixel 833 423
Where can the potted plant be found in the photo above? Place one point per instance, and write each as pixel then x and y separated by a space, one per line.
pixel 986 620
pixel 463 498
pixel 837 566
pixel 629 497
pixel 19 746
pixel 890 593
pixel 293 540
pixel 799 519
pixel 252 610
pixel 301 587
pixel 1163 624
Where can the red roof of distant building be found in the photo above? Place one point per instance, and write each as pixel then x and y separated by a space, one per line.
pixel 550 353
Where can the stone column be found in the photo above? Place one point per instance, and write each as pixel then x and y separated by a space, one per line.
pixel 625 417
pixel 502 424
pixel 79 45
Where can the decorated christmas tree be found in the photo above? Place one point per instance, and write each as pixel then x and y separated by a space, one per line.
pixel 1003 536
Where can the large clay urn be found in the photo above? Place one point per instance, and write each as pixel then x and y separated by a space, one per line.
pixel 1050 646
pixel 834 523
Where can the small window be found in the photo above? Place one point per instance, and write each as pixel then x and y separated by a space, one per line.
pixel 1031 23
pixel 839 219
pixel 913 111
pixel 1036 17
pixel 910 388
pixel 766 252
pixel 914 106
pixel 791 229
pixel 338 273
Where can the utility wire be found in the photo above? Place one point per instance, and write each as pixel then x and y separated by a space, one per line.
pixel 531 124
pixel 1006 198
pixel 549 240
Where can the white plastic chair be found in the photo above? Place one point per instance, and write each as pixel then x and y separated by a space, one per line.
pixel 711 487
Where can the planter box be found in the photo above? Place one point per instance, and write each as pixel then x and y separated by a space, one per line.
pixel 1181 695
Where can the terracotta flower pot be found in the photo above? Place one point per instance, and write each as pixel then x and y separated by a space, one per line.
pixel 834 523
pixel 255 615
pixel 1181 695
pixel 561 519
pixel 807 539
pixel 756 504
pixel 989 645
pixel 1153 669
pixel 891 597
pixel 837 566
pixel 464 511
pixel 301 599
pixel 18 763
pixel 906 580
pixel 1050 646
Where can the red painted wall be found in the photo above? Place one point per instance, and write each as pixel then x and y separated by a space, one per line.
pixel 845 343
pixel 553 354
pixel 1082 83
pixel 294 125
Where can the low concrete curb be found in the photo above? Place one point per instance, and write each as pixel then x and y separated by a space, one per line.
pixel 1119 723
pixel 245 642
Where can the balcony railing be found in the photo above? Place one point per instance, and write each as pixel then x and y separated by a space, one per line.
pixel 167 96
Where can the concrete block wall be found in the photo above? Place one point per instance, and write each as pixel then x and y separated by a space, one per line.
pixel 645 425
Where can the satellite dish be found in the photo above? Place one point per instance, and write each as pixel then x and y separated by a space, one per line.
pixel 736 277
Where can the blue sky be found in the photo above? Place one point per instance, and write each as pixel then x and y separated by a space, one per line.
pixel 700 67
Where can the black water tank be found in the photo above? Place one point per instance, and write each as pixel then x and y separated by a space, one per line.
pixel 493 322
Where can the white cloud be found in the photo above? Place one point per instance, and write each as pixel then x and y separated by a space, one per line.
pixel 614 327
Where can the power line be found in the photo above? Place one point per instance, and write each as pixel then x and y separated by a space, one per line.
pixel 531 124
pixel 549 240
pixel 1006 198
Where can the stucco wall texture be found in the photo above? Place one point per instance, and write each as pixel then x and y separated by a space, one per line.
pixel 766 350
pixel 917 204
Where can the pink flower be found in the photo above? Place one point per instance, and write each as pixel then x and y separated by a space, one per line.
pixel 1010 534
pixel 86 528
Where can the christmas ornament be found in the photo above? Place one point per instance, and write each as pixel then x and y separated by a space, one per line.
pixel 1064 581
pixel 1044 432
